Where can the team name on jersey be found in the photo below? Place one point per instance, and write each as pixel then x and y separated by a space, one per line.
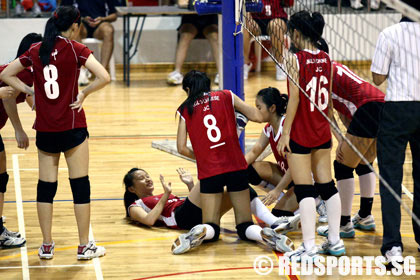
pixel 206 100
pixel 316 60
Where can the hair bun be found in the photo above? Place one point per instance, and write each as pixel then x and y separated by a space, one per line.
pixel 318 24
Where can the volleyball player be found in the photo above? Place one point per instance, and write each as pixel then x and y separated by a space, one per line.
pixel 143 206
pixel 306 137
pixel 209 120
pixel 10 239
pixel 60 121
pixel 358 104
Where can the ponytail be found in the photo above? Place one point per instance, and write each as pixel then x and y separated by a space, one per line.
pixel 195 83
pixel 311 26
pixel 27 41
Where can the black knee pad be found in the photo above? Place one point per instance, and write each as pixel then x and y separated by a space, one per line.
pixel 252 194
pixel 342 171
pixel 304 191
pixel 326 190
pixel 80 188
pixel 241 229
pixel 363 169
pixel 46 191
pixel 253 177
pixel 4 178
pixel 216 233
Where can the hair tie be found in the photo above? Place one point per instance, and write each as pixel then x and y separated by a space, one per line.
pixel 55 15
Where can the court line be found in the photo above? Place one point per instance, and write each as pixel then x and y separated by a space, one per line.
pixel 96 261
pixel 46 266
pixel 21 220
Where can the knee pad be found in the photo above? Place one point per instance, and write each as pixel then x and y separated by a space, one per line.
pixel 46 191
pixel 4 178
pixel 252 194
pixel 241 229
pixel 342 171
pixel 80 188
pixel 363 169
pixel 216 232
pixel 253 177
pixel 304 191
pixel 326 190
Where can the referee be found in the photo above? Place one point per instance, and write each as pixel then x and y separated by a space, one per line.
pixel 397 59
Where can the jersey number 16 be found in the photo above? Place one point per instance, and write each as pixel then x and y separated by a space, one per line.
pixel 322 100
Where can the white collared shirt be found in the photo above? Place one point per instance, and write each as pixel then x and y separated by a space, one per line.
pixel 397 55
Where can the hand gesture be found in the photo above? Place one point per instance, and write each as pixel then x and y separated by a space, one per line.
pixel 78 103
pixel 185 176
pixel 22 139
pixel 283 146
pixel 167 188
pixel 271 197
pixel 95 22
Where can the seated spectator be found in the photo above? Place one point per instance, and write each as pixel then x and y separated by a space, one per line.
pixel 33 5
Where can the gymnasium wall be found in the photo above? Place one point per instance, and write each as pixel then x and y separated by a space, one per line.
pixel 158 42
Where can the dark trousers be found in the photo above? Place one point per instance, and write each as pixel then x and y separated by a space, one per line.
pixel 399 125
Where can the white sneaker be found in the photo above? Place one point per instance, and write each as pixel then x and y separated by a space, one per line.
pixel 187 241
pixel 10 239
pixel 36 10
pixel 336 249
pixel 394 254
pixel 301 253
pixel 90 251
pixel 216 79
pixel 83 77
pixel 19 9
pixel 174 78
pixel 276 241
pixel 287 224
pixel 280 74
pixel 247 68
pixel 367 223
pixel 375 4
pixel 46 251
pixel 356 4
pixel 321 208
pixel 346 231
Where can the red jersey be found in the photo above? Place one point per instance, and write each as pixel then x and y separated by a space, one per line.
pixel 168 214
pixel 274 140
pixel 26 77
pixel 310 128
pixel 350 92
pixel 56 85
pixel 213 136
pixel 271 9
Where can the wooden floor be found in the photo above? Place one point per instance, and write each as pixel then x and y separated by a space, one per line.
pixel 122 123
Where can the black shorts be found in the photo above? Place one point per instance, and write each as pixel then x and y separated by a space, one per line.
pixel 365 122
pixel 200 22
pixel 298 149
pixel 90 30
pixel 57 142
pixel 263 24
pixel 235 181
pixel 1 144
pixel 188 215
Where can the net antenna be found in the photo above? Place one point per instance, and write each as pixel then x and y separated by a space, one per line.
pixel 369 41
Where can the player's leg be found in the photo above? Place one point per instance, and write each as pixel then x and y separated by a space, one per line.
pixel 325 187
pixel 211 34
pixel 105 32
pixel 266 171
pixel 276 29
pixel 187 33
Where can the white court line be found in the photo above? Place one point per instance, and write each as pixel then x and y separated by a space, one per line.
pixel 33 169
pixel 47 266
pixel 96 261
pixel 21 220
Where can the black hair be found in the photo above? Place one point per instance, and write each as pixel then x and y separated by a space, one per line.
pixel 61 20
pixel 129 197
pixel 311 26
pixel 195 83
pixel 322 45
pixel 272 96
pixel 27 41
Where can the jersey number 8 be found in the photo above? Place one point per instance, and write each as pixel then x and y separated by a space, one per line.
pixel 210 124
pixel 51 86
pixel 322 101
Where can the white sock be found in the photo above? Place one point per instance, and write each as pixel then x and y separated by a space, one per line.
pixel 254 233
pixel 308 219
pixel 367 185
pixel 346 190
pixel 209 233
pixel 262 212
pixel 334 215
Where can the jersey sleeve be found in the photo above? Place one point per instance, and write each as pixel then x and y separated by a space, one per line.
pixel 266 130
pixel 25 59
pixel 82 52
pixel 382 57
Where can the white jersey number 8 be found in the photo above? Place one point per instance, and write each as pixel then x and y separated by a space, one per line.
pixel 211 126
pixel 322 101
pixel 51 86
